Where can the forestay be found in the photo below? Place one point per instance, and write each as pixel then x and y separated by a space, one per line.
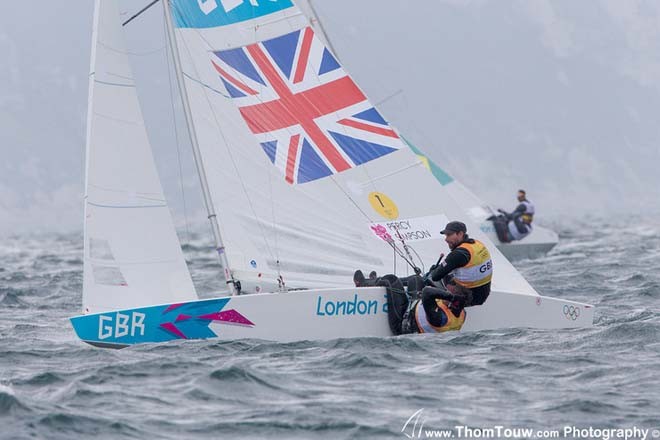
pixel 307 177
pixel 132 256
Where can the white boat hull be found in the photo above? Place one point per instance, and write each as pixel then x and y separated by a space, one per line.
pixel 308 315
pixel 538 243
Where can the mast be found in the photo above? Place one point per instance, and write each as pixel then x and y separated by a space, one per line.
pixel 208 202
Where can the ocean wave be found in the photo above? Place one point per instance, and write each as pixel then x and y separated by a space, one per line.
pixel 9 403
pixel 344 388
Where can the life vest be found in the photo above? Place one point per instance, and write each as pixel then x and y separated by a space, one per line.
pixel 479 270
pixel 453 322
pixel 528 215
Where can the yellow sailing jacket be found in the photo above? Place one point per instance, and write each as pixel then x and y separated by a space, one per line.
pixel 479 269
pixel 453 322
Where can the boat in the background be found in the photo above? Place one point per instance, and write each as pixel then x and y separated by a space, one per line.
pixel 539 242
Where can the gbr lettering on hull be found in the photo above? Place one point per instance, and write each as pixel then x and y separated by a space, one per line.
pixel 121 324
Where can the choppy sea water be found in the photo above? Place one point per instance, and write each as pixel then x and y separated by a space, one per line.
pixel 53 386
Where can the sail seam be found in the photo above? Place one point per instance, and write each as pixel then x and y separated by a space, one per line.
pixel 115 262
pixel 129 78
pixel 400 170
pixel 275 20
pixel 142 195
pixel 118 119
pixel 107 83
pixel 126 206
pixel 127 52
pixel 204 85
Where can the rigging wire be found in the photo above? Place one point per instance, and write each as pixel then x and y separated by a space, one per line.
pixel 176 131
pixel 140 12
pixel 392 243
pixel 371 181
pixel 423 269
pixel 388 97
pixel 233 161
pixel 407 249
pixel 210 47
pixel 364 170
pixel 229 153
pixel 409 260
pixel 276 233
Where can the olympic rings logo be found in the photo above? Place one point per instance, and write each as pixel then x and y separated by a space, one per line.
pixel 571 312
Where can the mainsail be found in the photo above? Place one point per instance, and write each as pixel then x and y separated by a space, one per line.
pixel 132 256
pixel 309 180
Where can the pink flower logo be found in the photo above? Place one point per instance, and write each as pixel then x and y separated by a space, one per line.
pixel 380 231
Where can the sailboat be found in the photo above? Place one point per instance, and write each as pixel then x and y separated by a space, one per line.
pixel 539 242
pixel 304 181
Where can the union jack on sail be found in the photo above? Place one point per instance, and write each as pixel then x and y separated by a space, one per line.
pixel 309 116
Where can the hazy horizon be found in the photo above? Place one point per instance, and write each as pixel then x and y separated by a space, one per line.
pixel 559 98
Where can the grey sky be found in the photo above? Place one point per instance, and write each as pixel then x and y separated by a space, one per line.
pixel 559 97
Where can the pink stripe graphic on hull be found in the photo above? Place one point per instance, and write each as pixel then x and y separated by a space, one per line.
pixel 229 317
pixel 182 317
pixel 172 307
pixel 172 329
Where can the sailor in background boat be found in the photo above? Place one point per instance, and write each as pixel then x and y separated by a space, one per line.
pixel 516 225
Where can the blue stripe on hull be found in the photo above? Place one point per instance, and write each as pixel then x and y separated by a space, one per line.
pixel 117 329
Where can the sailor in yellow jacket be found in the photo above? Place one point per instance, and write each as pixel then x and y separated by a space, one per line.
pixel 466 275
pixel 468 265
